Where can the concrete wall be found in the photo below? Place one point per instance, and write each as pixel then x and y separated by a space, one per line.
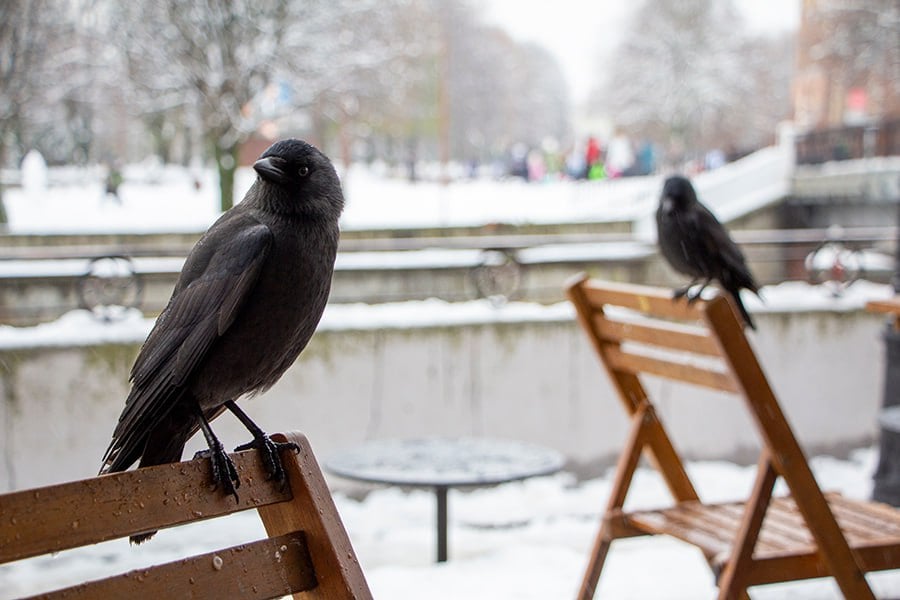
pixel 534 381
pixel 852 193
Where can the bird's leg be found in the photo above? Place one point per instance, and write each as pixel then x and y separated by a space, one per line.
pixel 224 472
pixel 269 448
pixel 691 298
pixel 679 292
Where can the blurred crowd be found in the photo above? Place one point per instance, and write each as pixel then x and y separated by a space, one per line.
pixel 588 159
pixel 593 159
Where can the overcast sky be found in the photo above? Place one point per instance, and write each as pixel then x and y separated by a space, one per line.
pixel 577 31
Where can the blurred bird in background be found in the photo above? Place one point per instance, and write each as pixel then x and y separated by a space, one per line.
pixel 696 244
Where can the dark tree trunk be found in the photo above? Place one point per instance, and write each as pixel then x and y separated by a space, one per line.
pixel 226 163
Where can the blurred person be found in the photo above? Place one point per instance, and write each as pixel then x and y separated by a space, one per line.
pixel 645 163
pixel 113 181
pixel 576 165
pixel 537 167
pixel 714 159
pixel 619 155
pixel 592 155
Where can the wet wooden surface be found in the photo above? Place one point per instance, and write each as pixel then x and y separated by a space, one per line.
pixel 54 518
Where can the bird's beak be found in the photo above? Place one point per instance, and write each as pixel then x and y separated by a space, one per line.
pixel 271 168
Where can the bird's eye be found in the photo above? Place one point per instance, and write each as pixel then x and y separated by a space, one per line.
pixel 303 171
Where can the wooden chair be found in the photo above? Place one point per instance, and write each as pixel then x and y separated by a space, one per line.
pixel 307 553
pixel 639 330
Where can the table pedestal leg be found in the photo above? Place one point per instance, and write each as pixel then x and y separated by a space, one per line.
pixel 440 493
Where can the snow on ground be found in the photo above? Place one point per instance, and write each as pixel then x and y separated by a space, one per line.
pixel 156 198
pixel 160 198
pixel 377 203
pixel 525 540
pixel 169 201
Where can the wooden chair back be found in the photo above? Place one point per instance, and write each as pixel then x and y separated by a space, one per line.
pixel 640 330
pixel 307 553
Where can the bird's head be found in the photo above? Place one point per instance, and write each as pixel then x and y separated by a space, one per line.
pixel 296 177
pixel 678 193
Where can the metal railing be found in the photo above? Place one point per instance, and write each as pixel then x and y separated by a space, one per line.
pixel 850 142
pixel 497 266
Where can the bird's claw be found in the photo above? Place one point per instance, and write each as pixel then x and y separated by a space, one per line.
pixel 685 293
pixel 224 473
pixel 271 455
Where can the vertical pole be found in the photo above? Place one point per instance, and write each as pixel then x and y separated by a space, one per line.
pixel 887 472
pixel 895 280
pixel 441 495
pixel 443 91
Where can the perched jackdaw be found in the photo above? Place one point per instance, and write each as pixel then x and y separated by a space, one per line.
pixel 248 299
pixel 695 243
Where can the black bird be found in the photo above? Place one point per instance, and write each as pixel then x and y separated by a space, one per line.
pixel 248 299
pixel 695 243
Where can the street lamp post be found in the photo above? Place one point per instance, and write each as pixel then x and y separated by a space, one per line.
pixel 887 474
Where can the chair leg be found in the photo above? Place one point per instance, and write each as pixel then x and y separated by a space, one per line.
pixel 312 510
pixel 595 564
pixel 733 581
pixel 628 462
pixel 733 594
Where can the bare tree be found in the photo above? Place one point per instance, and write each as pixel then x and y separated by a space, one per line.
pixel 852 44
pixel 682 76
pixel 101 80
pixel 76 112
pixel 768 67
pixel 217 58
pixel 502 92
pixel 469 90
pixel 378 88
pixel 21 54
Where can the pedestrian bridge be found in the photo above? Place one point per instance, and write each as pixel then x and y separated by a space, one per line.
pixel 735 190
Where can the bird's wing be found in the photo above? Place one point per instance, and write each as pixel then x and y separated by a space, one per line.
pixel 736 274
pixel 215 282
pixel 693 247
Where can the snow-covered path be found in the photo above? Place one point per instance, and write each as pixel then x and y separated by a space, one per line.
pixel 166 199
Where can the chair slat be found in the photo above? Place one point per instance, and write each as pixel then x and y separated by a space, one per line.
pixel 785 544
pixel 725 522
pixel 791 566
pixel 647 300
pixel 630 362
pixel 783 527
pixel 884 513
pixel 675 337
pixel 660 523
pixel 54 518
pixel 268 568
pixel 864 521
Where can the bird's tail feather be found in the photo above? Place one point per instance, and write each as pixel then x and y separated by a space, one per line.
pixel 165 444
pixel 736 294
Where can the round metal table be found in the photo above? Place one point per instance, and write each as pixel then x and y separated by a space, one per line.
pixel 442 463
